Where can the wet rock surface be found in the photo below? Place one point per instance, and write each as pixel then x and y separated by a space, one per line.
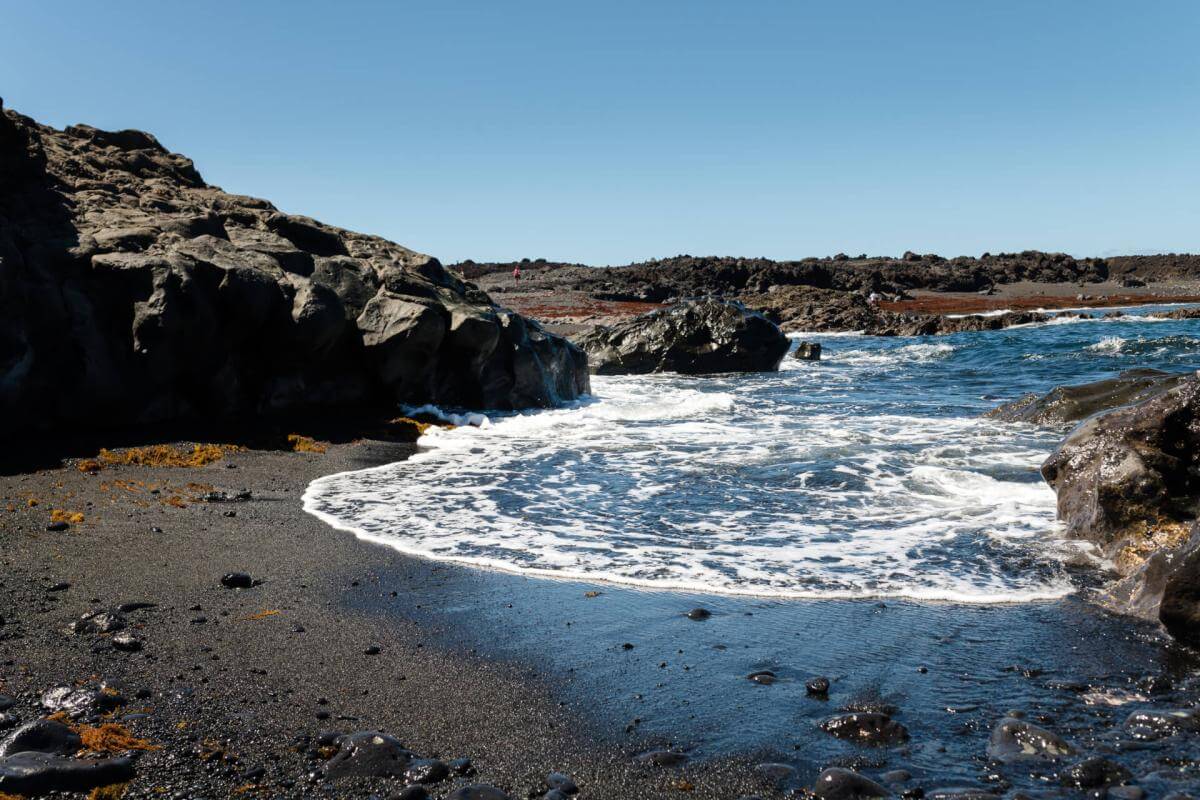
pixel 1070 404
pixel 36 773
pixel 866 727
pixel 1020 740
pixel 697 337
pixel 836 783
pixel 134 293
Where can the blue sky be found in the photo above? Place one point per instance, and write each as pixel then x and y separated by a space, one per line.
pixel 618 131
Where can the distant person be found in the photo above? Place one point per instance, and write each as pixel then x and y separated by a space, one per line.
pixel 516 273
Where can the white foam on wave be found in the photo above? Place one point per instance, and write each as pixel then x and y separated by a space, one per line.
pixel 1109 344
pixel 701 485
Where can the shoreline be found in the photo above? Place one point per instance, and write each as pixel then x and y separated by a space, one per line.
pixel 252 676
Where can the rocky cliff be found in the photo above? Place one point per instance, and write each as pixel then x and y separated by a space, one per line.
pixel 132 292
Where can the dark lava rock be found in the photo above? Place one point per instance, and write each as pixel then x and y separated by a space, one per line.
pixel 818 686
pixel 896 776
pixel 1069 404
pixel 1018 740
pixel 764 677
pixel 83 701
pixel 775 773
pixel 33 773
pixel 42 736
pixel 807 351
pixel 699 614
pixel 1093 772
pixel 836 783
pixel 57 527
pixel 461 766
pixel 1151 725
pixel 1128 466
pixel 662 758
pixel 561 782
pixel 139 294
pixel 372 650
pixel 866 727
pixel 414 792
pixel 6 702
pixel 427 771
pixel 99 622
pixel 477 791
pixel 369 754
pixel 8 721
pixel 237 580
pixel 126 642
pixel 697 337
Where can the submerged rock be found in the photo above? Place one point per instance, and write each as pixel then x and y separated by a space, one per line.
pixel 807 351
pixel 134 293
pixel 1017 740
pixel 697 337
pixel 836 783
pixel 1094 772
pixel 1069 404
pixel 866 727
pixel 1151 725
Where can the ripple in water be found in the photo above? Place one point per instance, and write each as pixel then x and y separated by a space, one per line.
pixel 869 474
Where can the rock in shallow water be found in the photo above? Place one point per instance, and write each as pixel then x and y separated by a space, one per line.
pixel 1069 404
pixel 1018 740
pixel 693 338
pixel 1151 725
pixel 1093 772
pixel 836 783
pixel 866 727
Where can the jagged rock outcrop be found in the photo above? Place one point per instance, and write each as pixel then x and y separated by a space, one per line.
pixel 1129 481
pixel 132 292
pixel 1065 405
pixel 812 309
pixel 697 337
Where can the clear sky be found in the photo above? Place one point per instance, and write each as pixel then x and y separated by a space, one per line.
pixel 614 131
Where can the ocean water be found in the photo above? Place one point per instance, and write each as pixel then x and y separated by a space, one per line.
pixel 868 474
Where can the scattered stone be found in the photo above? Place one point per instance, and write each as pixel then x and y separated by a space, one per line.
pixel 84 701
pixel 126 608
pixel 559 781
pixel 1018 740
pixel 42 736
pixel 8 720
pixel 34 773
pixel 866 727
pixel 775 773
pixel 764 677
pixel 126 642
pixel 427 771
pixel 896 776
pixel 61 586
pixel 477 791
pixel 461 766
pixel 6 702
pixel 837 783
pixel 818 686
pixel 1150 725
pixel 699 614
pixel 372 650
pixel 369 754
pixel 237 580
pixel 662 758
pixel 808 351
pixel 95 622
pixel 414 792
pixel 57 527
pixel 1094 772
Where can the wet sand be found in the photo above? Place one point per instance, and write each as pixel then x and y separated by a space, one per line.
pixel 247 682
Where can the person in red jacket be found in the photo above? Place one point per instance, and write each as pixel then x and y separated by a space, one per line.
pixel 516 273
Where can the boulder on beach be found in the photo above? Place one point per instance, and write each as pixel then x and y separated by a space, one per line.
pixel 133 293
pixel 1068 404
pixel 696 337
pixel 1127 480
